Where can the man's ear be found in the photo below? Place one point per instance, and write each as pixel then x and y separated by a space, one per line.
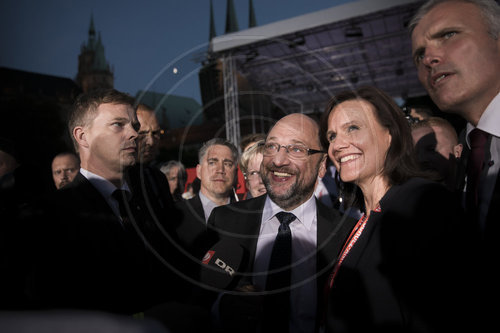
pixel 80 136
pixel 457 150
pixel 198 171
pixel 322 166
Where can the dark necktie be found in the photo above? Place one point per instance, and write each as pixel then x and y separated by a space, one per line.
pixel 123 197
pixel 475 164
pixel 277 309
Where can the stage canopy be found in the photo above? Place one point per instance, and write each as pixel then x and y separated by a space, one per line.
pixel 302 61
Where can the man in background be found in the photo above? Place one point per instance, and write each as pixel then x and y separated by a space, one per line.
pixel 216 169
pixel 149 135
pixel 65 166
pixel 438 149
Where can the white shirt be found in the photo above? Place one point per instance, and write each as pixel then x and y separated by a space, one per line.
pixel 208 205
pixel 106 188
pixel 303 294
pixel 490 123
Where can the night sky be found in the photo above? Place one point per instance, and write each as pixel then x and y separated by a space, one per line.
pixel 144 40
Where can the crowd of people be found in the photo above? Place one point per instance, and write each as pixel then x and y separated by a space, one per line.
pixel 404 243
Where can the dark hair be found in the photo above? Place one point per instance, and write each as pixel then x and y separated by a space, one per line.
pixel 400 163
pixel 214 142
pixel 85 107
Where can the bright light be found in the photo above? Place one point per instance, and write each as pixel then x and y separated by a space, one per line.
pixel 175 70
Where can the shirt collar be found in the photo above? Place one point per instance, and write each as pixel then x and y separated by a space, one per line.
pixel 305 213
pixel 489 121
pixel 104 186
pixel 208 205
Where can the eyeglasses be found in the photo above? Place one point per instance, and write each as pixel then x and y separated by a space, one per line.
pixel 293 150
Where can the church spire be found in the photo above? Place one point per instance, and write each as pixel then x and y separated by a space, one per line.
pixel 93 70
pixel 252 21
pixel 91 28
pixel 231 22
pixel 212 23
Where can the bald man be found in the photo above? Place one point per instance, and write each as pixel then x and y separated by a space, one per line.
pixel 293 160
pixel 65 167
pixel 149 134
pixel 438 149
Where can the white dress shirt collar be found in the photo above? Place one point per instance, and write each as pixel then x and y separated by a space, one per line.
pixel 489 121
pixel 104 186
pixel 305 213
pixel 208 205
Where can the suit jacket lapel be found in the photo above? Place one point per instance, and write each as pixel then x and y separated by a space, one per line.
pixel 91 194
pixel 252 224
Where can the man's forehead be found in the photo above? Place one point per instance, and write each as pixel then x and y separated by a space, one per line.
pixel 219 152
pixel 147 118
pixel 445 15
pixel 110 110
pixel 64 160
pixel 294 130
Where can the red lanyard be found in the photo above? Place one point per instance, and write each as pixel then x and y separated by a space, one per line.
pixel 353 238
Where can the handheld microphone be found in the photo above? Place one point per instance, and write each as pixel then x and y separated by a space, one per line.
pixel 220 264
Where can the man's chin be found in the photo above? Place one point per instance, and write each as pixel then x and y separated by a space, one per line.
pixel 128 161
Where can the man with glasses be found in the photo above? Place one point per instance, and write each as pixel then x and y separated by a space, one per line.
pixel 289 238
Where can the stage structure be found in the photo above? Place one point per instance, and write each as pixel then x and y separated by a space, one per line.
pixel 299 63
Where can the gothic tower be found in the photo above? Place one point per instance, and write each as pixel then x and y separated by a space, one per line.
pixel 93 70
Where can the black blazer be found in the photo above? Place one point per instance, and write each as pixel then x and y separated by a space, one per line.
pixel 240 222
pixel 88 260
pixel 492 226
pixel 193 228
pixel 406 273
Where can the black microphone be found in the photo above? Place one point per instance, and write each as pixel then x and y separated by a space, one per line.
pixel 220 264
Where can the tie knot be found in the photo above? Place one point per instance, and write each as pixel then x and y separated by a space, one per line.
pixel 478 138
pixel 285 217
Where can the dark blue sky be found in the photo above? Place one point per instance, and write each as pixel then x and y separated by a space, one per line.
pixel 143 40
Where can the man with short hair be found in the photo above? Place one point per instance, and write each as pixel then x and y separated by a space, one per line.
pixel 107 231
pixel 149 134
pixel 216 169
pixel 287 220
pixel 456 48
pixel 65 166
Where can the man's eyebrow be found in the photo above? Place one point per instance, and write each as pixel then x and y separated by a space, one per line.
pixel 122 119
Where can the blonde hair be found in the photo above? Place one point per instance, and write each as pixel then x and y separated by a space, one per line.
pixel 249 154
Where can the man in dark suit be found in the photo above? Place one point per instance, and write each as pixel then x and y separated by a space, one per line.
pixel 107 236
pixel 216 169
pixel 460 70
pixel 290 220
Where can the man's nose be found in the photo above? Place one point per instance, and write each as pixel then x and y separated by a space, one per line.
pixel 432 57
pixel 281 157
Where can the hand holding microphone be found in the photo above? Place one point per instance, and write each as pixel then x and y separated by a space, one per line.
pixel 239 309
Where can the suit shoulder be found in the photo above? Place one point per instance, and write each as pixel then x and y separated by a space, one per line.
pixel 415 189
pixel 249 206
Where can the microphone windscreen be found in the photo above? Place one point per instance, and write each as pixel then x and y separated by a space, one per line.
pixel 221 263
